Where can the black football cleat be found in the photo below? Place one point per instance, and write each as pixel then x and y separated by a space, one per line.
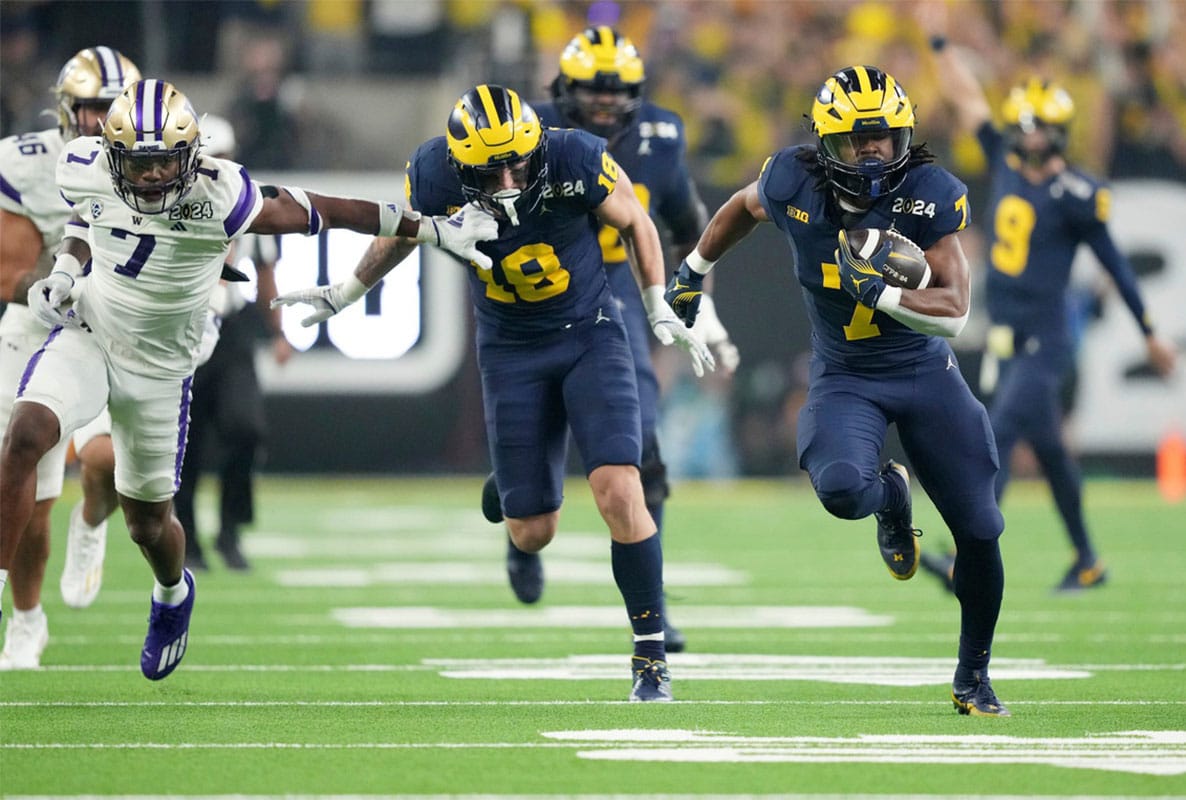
pixel 1079 577
pixel 978 700
pixel 491 504
pixel 525 572
pixel 942 567
pixel 652 681
pixel 897 538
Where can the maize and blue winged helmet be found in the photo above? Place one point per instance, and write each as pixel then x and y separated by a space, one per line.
pixel 492 130
pixel 859 102
pixel 599 87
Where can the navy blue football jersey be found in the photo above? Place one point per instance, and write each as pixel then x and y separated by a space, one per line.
pixel 930 204
pixel 548 270
pixel 1034 232
pixel 652 152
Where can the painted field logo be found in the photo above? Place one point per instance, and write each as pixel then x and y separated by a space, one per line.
pixel 1143 752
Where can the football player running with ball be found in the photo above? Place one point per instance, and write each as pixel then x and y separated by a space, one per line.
pixel 1043 208
pixel 552 347
pixel 880 353
pixel 154 218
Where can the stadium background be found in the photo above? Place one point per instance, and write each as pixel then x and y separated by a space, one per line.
pixel 337 93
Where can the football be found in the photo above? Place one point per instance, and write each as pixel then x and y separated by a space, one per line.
pixel 907 264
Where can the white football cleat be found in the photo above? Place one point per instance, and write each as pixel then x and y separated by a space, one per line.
pixel 82 576
pixel 24 641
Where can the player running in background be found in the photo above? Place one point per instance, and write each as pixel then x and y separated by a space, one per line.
pixel 32 217
pixel 1042 210
pixel 599 89
pixel 154 218
pixel 880 353
pixel 552 346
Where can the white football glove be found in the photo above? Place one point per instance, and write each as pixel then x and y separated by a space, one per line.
pixel 326 300
pixel 712 332
pixel 669 329
pixel 46 296
pixel 460 233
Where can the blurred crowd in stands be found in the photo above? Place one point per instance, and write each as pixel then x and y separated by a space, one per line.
pixel 741 72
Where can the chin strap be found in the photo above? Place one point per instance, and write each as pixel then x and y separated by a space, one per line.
pixel 506 198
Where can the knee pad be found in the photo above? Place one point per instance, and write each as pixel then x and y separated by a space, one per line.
pixel 840 489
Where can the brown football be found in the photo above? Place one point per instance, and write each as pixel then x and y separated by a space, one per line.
pixel 907 264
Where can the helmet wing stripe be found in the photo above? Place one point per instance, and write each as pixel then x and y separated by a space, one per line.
pixel 110 71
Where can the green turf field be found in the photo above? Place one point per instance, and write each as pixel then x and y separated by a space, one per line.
pixel 376 649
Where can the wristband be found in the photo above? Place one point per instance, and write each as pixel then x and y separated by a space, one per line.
pixel 652 300
pixel 390 215
pixel 938 42
pixel 890 299
pixel 67 263
pixel 353 289
pixel 698 263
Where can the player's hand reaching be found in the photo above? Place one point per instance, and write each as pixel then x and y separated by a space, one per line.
pixel 669 330
pixel 460 233
pixel 684 293
pixel 861 277
pixel 325 300
pixel 712 332
pixel 47 296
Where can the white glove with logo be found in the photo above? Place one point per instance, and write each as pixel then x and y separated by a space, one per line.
pixel 46 297
pixel 712 332
pixel 460 233
pixel 326 300
pixel 669 329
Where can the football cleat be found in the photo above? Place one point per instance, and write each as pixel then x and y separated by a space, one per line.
pixel 652 681
pixel 24 642
pixel 82 575
pixel 897 538
pixel 168 634
pixel 978 700
pixel 942 567
pixel 1079 577
pixel 491 504
pixel 526 573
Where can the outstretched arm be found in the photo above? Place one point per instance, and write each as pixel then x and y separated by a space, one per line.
pixel 958 85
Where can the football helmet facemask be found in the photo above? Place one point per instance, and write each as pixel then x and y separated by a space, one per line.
pixel 599 87
pixel 92 77
pixel 152 143
pixel 492 130
pixel 855 106
pixel 1038 105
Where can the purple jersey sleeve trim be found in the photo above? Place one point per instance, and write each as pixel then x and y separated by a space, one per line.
pixel 238 216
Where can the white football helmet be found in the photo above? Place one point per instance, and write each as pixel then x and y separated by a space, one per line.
pixel 218 136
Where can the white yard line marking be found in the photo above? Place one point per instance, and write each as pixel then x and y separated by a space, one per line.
pixel 728 617
pixel 486 573
pixel 1139 752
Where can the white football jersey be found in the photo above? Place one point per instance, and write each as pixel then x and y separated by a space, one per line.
pixel 27 188
pixel 152 275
